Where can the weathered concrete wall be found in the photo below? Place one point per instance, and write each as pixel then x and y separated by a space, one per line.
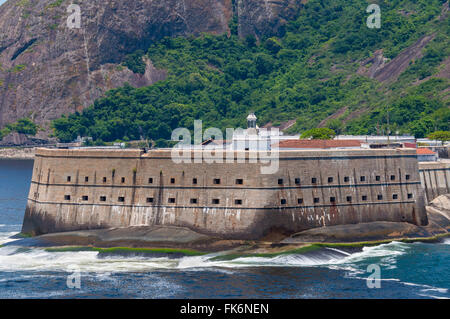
pixel 435 179
pixel 266 205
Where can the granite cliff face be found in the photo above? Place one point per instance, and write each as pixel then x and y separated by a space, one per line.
pixel 48 69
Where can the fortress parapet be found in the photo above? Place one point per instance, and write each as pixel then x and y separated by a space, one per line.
pixel 95 189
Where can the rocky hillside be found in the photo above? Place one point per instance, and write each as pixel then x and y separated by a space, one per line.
pixel 47 69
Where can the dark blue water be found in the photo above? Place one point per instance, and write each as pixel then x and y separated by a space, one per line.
pixel 407 270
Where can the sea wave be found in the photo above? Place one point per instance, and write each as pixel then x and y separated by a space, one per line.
pixel 34 259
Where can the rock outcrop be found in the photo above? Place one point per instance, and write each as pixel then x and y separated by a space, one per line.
pixel 48 69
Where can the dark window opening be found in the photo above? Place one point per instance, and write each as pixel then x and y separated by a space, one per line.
pixel 194 201
pixel 380 197
pixel 86 179
pixel 349 199
pixel 330 179
pixel 378 178
pixel 346 179
pixel 300 201
pixel 217 181
pixel 408 177
pixel 150 180
pixel 123 180
pixel 333 199
pixel 363 179
pixel 172 200
pixel 410 196
pixel 67 197
pixel 240 182
pixel 194 181
pixel 392 177
pixel 172 181
pixel 316 200
pixel 69 178
pixel 85 198
pixel 103 198
pixel 150 200
pixel 121 199
pixel 280 181
pixel 216 201
pixel 238 202
pixel 364 198
pixel 297 181
pixel 314 180
pixel 104 180
pixel 395 196
pixel 283 202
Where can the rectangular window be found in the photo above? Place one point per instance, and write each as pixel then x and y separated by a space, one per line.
pixel 330 179
pixel 364 198
pixel 280 181
pixel 408 177
pixel 85 198
pixel 172 201
pixel 314 180
pixel 194 181
pixel 150 180
pixel 333 199
pixel 297 181
pixel 172 181
pixel 103 198
pixel 86 179
pixel 363 179
pixel 150 200
pixel 316 200
pixel 238 202
pixel 121 199
pixel 380 197
pixel 392 177
pixel 69 178
pixel 395 196
pixel 67 197
pixel 104 180
pixel 300 201
pixel 217 181
pixel 378 178
pixel 349 199
pixel 283 202
pixel 410 196
pixel 123 180
pixel 194 201
pixel 346 179
pixel 216 201
pixel 239 182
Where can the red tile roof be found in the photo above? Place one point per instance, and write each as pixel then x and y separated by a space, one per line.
pixel 410 145
pixel 425 151
pixel 323 144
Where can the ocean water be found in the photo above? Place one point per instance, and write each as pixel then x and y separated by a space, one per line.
pixel 406 270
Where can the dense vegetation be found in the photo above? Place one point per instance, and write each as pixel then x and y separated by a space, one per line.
pixel 308 74
pixel 23 126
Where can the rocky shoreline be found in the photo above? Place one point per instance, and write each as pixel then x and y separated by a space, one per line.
pixel 17 153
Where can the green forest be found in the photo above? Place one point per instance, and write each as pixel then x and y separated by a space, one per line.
pixel 308 73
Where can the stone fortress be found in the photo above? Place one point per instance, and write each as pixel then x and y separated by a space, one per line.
pixel 89 188
pixel 95 189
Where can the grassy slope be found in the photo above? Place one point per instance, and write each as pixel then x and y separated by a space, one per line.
pixel 307 75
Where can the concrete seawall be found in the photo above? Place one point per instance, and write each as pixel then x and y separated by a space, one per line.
pixel 435 179
pixel 95 189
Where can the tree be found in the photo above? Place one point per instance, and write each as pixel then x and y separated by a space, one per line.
pixel 319 134
pixel 443 136
pixel 335 125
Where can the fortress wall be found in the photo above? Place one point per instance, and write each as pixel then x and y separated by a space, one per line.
pixel 435 179
pixel 264 205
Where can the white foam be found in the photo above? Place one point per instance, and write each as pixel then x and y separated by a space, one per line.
pixel 5 237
